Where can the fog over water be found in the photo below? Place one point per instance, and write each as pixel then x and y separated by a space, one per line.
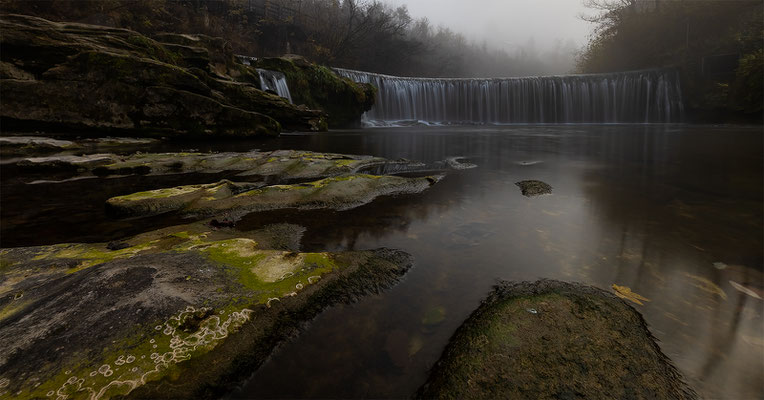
pixel 508 24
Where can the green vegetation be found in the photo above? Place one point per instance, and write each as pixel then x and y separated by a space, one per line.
pixel 318 87
pixel 688 35
pixel 195 310
pixel 355 34
pixel 552 340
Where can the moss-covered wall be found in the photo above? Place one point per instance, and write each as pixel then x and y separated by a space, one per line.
pixel 318 87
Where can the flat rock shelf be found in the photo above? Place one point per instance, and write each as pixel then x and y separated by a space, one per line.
pixel 180 312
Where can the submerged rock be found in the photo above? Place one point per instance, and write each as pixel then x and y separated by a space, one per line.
pixel 552 339
pixel 182 312
pixel 336 193
pixel 532 188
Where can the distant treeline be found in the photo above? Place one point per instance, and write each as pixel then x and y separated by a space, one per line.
pixel 355 34
pixel 716 44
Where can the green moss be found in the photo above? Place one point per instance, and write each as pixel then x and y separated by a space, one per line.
pixel 143 357
pixel 11 309
pixel 153 49
pixel 268 274
pixel 90 254
pixel 553 339
pixel 345 163
pixel 5 263
pixel 159 193
pixel 319 87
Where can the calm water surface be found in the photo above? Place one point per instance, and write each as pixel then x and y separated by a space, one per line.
pixel 674 212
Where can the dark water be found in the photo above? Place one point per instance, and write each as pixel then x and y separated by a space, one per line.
pixel 674 212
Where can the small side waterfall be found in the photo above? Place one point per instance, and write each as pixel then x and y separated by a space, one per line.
pixel 275 81
pixel 638 96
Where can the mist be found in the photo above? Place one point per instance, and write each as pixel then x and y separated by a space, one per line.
pixel 550 30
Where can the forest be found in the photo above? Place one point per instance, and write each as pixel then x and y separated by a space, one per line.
pixel 355 34
pixel 717 45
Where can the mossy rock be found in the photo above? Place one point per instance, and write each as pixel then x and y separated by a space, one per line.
pixel 318 87
pixel 89 79
pixel 553 340
pixel 225 197
pixel 279 166
pixel 182 312
pixel 531 188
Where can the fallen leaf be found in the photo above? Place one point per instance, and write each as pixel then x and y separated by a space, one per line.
pixel 706 285
pixel 745 290
pixel 626 293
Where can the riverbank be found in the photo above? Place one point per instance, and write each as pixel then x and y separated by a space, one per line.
pixel 89 79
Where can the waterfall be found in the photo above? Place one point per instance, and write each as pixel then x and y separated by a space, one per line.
pixel 637 96
pixel 275 81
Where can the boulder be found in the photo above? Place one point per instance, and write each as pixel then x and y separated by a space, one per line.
pixel 531 188
pixel 554 340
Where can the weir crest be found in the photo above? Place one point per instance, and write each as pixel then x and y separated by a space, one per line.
pixel 626 97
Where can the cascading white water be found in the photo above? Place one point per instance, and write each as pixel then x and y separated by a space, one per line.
pixel 638 96
pixel 275 81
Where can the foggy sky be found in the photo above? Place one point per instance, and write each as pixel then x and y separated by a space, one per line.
pixel 506 24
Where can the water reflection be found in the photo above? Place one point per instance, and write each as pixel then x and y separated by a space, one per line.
pixel 672 212
pixel 647 207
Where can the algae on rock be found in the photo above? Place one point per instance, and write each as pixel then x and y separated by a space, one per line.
pixel 337 193
pixel 181 312
pixel 531 188
pixel 316 86
pixel 551 340
pixel 276 165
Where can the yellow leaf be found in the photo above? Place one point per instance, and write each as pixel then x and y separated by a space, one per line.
pixel 706 285
pixel 626 293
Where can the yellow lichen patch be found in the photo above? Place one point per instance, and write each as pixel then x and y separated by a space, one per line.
pixel 706 285
pixel 626 293
pixel 238 247
pixel 159 193
pixel 93 254
pixel 278 264
pixel 127 365
pixel 11 309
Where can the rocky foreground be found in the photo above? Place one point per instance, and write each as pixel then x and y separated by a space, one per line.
pixel 176 313
pixel 67 77
pixel 190 310
pixel 554 340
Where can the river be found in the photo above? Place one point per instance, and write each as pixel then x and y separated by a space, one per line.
pixel 672 211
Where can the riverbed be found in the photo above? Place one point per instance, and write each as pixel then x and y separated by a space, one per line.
pixel 674 212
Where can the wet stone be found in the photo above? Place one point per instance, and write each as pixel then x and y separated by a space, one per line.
pixel 238 199
pixel 181 312
pixel 550 339
pixel 532 188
